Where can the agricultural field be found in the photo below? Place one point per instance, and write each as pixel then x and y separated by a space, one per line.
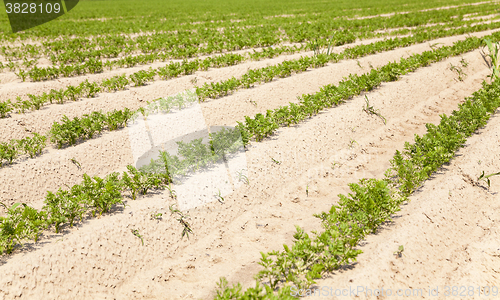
pixel 252 150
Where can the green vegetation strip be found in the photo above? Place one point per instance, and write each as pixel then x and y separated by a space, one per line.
pixel 287 273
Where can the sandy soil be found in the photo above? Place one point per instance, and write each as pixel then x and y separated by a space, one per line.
pixel 453 243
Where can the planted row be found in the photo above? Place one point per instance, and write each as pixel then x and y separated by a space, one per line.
pixel 371 202
pixel 88 89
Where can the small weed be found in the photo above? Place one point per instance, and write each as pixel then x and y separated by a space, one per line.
pixel 335 164
pixel 487 177
pixel 371 111
pixel 359 64
pixel 399 252
pixel 433 46
pixel 351 143
pixel 219 197
pixel 156 216
pixel 307 190
pixel 464 63
pixel 194 81
pixel 494 61
pixel 276 161
pixel 171 191
pixel 136 233
pixel 187 229
pixel 243 178
pixel 73 160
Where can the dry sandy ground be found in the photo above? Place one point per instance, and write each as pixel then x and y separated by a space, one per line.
pixel 101 259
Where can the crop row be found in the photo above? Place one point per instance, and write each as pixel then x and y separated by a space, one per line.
pixel 69 132
pixel 371 202
pixel 195 155
pixel 262 125
pixel 96 66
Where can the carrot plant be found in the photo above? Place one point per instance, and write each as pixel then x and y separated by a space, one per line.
pixel 32 145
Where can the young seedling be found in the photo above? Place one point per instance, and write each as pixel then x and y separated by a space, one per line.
pixel 194 81
pixel 219 197
pixel 307 190
pixel 460 72
pixel 187 229
pixel 399 252
pixel 136 233
pixel 353 129
pixel 371 111
pixel 433 46
pixel 335 164
pixel 243 178
pixel 156 216
pixel 73 160
pixel 276 161
pixel 494 61
pixel 359 64
pixel 351 143
pixel 487 177
pixel 171 191
pixel 253 102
